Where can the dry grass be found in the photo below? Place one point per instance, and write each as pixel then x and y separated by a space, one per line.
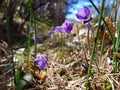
pixel 67 66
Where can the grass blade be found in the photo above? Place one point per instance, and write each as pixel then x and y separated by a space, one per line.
pixel 94 44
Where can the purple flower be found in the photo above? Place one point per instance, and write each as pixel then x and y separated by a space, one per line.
pixel 84 14
pixel 31 30
pixel 67 27
pixel 37 38
pixel 49 33
pixel 58 29
pixel 86 25
pixel 41 61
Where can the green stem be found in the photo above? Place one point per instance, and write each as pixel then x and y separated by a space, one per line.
pixel 103 20
pixel 34 23
pixel 29 36
pixel 88 38
pixel 116 11
pixel 116 41
pixel 35 32
pixel 115 49
pixel 102 47
pixel 94 44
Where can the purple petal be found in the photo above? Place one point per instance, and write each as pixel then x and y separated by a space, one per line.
pixel 31 30
pixel 80 17
pixel 41 61
pixel 58 29
pixel 86 25
pixel 37 38
pixel 86 10
pixel 67 25
pixel 84 14
pixel 49 33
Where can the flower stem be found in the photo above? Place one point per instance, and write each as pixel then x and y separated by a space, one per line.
pixel 94 44
pixel 115 49
pixel 102 47
pixel 32 22
pixel 88 37
pixel 28 44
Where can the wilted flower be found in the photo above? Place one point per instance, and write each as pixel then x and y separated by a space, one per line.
pixel 67 27
pixel 37 38
pixel 41 61
pixel 84 14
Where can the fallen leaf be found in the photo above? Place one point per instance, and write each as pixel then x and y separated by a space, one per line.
pixel 101 33
pixel 117 54
pixel 110 25
pixel 40 74
pixel 102 29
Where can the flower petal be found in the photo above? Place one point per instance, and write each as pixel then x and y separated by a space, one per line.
pixel 58 29
pixel 41 61
pixel 83 14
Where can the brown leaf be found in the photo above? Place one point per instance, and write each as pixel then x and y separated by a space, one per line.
pixel 101 33
pixel 102 28
pixel 117 54
pixel 110 25
pixel 40 74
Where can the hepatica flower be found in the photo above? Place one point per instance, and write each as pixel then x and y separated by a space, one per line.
pixel 49 34
pixel 33 35
pixel 31 30
pixel 84 14
pixel 37 38
pixel 67 27
pixel 41 61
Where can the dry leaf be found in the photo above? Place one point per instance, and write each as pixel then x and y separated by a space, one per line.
pixel 25 52
pixel 40 74
pixel 101 33
pixel 117 54
pixel 102 28
pixel 110 25
pixel 62 71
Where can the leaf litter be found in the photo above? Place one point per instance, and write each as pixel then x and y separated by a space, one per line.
pixel 67 65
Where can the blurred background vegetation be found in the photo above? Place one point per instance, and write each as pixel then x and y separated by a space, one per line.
pixel 47 13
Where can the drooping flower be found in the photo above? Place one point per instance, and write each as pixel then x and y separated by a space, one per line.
pixel 41 61
pixel 84 14
pixel 67 27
